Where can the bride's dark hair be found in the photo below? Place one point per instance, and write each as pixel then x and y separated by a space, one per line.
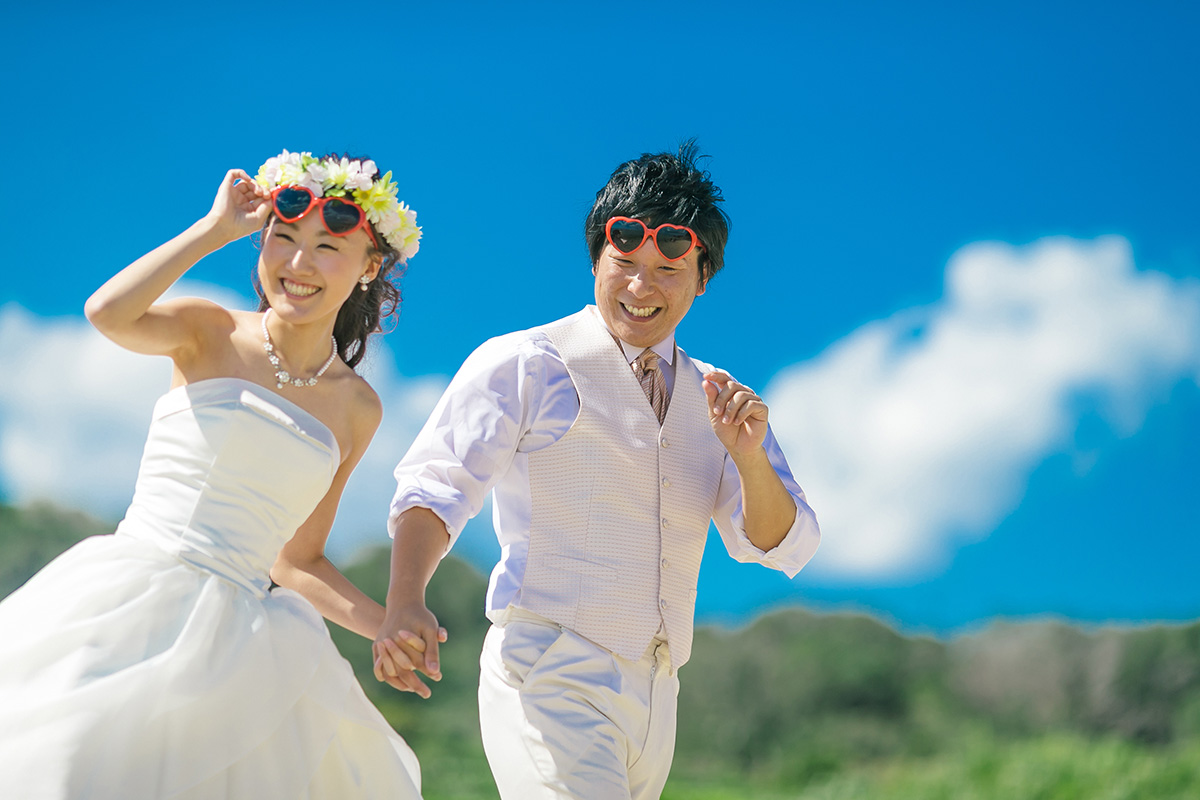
pixel 363 312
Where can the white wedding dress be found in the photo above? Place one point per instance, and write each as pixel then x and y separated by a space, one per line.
pixel 155 663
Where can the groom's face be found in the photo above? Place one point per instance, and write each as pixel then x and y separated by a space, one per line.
pixel 642 296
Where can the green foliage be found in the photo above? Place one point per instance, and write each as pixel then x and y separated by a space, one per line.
pixel 31 537
pixel 796 696
pixel 1141 684
pixel 1157 667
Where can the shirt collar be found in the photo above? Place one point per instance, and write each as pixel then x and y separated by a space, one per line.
pixel 665 349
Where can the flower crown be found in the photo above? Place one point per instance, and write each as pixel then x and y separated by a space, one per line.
pixel 332 177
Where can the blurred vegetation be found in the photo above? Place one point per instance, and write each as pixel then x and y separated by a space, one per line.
pixel 30 537
pixel 823 707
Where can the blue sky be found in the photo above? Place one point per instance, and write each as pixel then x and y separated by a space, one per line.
pixel 964 264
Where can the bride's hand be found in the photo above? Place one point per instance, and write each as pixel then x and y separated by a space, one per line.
pixel 241 206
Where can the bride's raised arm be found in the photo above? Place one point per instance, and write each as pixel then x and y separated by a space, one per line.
pixel 123 308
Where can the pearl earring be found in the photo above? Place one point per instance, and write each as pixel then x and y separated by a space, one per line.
pixel 364 282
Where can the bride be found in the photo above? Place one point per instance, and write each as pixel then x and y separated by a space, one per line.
pixel 158 661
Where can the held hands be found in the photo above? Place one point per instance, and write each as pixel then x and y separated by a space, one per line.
pixel 241 206
pixel 737 414
pixel 399 655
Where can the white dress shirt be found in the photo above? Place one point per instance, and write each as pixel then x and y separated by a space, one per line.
pixel 513 396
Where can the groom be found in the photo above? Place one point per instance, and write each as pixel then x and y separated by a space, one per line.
pixel 608 450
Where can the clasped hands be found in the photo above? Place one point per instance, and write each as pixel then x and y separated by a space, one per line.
pixel 401 655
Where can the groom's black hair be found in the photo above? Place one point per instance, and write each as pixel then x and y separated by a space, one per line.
pixel 662 188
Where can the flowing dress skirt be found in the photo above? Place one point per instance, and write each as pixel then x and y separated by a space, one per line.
pixel 127 673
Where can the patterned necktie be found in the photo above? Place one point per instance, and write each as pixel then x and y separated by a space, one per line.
pixel 654 384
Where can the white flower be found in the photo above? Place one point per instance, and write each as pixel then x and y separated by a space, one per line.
pixel 399 228
pixel 313 179
pixel 359 181
pixel 337 173
pixel 360 176
pixel 410 249
pixel 317 171
pixel 313 186
pixel 268 173
pixel 388 226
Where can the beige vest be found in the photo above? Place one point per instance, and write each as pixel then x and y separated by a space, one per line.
pixel 620 507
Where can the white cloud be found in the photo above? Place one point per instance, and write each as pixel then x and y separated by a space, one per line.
pixel 74 410
pixel 917 432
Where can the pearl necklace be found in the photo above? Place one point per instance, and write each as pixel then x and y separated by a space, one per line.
pixel 282 377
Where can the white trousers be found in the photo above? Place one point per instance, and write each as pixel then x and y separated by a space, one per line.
pixel 564 718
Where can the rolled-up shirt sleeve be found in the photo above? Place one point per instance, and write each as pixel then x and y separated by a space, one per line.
pixel 801 541
pixel 469 440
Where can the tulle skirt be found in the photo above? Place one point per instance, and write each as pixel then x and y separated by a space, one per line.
pixel 126 673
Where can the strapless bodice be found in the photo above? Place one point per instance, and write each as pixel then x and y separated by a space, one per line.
pixel 229 472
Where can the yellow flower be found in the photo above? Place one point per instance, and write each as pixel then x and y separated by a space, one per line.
pixel 378 200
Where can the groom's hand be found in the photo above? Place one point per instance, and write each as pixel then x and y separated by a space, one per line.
pixel 738 415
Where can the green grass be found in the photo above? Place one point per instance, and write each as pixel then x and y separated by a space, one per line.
pixel 456 778
pixel 1051 767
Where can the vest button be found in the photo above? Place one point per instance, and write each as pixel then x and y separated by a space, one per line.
pixel 663 563
pixel 664 442
pixel 662 603
pixel 665 523
pixel 666 484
